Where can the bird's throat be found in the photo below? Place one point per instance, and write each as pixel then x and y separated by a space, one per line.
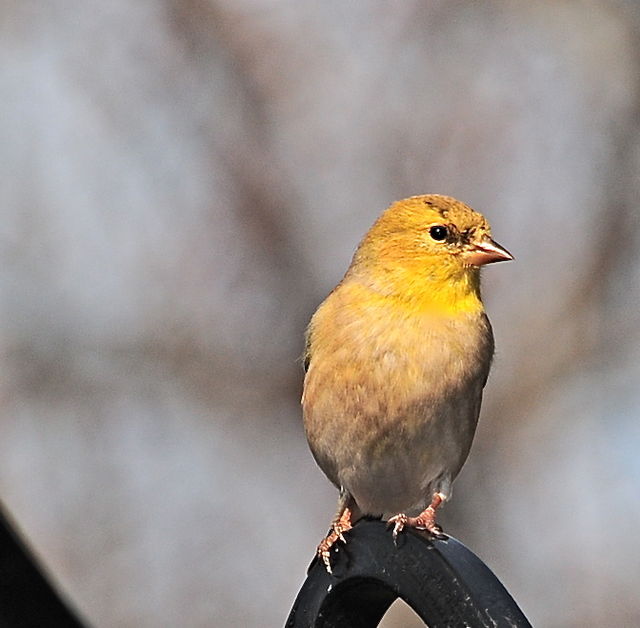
pixel 448 295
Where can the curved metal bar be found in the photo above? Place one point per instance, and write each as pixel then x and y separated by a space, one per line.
pixel 441 580
pixel 26 596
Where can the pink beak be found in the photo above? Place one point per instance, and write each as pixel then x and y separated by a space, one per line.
pixel 487 252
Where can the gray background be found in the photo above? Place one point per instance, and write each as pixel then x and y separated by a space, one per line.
pixel 182 182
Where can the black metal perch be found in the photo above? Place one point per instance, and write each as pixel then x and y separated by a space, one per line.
pixel 27 599
pixel 441 580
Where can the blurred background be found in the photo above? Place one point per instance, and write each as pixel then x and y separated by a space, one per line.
pixel 183 181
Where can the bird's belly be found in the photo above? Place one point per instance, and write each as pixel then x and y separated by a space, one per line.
pixel 398 468
pixel 393 422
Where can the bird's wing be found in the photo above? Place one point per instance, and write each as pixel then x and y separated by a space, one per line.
pixel 306 356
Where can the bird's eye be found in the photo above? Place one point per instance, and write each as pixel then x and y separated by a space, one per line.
pixel 438 232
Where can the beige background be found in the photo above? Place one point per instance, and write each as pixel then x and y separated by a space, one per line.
pixel 183 181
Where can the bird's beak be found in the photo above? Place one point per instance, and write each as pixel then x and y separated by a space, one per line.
pixel 486 251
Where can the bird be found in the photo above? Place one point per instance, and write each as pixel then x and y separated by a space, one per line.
pixel 396 359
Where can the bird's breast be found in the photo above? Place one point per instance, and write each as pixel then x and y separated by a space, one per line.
pixel 380 356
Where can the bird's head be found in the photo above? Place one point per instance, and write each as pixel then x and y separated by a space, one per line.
pixel 427 247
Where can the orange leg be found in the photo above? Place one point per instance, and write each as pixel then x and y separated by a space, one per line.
pixel 426 520
pixel 341 523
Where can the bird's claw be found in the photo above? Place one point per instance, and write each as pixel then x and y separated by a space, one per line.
pixel 325 555
pixel 436 530
pixel 426 520
pixel 338 528
pixel 398 522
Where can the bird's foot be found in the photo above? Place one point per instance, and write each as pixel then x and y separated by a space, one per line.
pixel 338 528
pixel 426 520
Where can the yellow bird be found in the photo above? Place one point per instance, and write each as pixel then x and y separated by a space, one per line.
pixel 396 360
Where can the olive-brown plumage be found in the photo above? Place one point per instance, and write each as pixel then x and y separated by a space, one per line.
pixel 397 357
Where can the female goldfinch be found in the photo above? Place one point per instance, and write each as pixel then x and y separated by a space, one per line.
pixel 396 360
